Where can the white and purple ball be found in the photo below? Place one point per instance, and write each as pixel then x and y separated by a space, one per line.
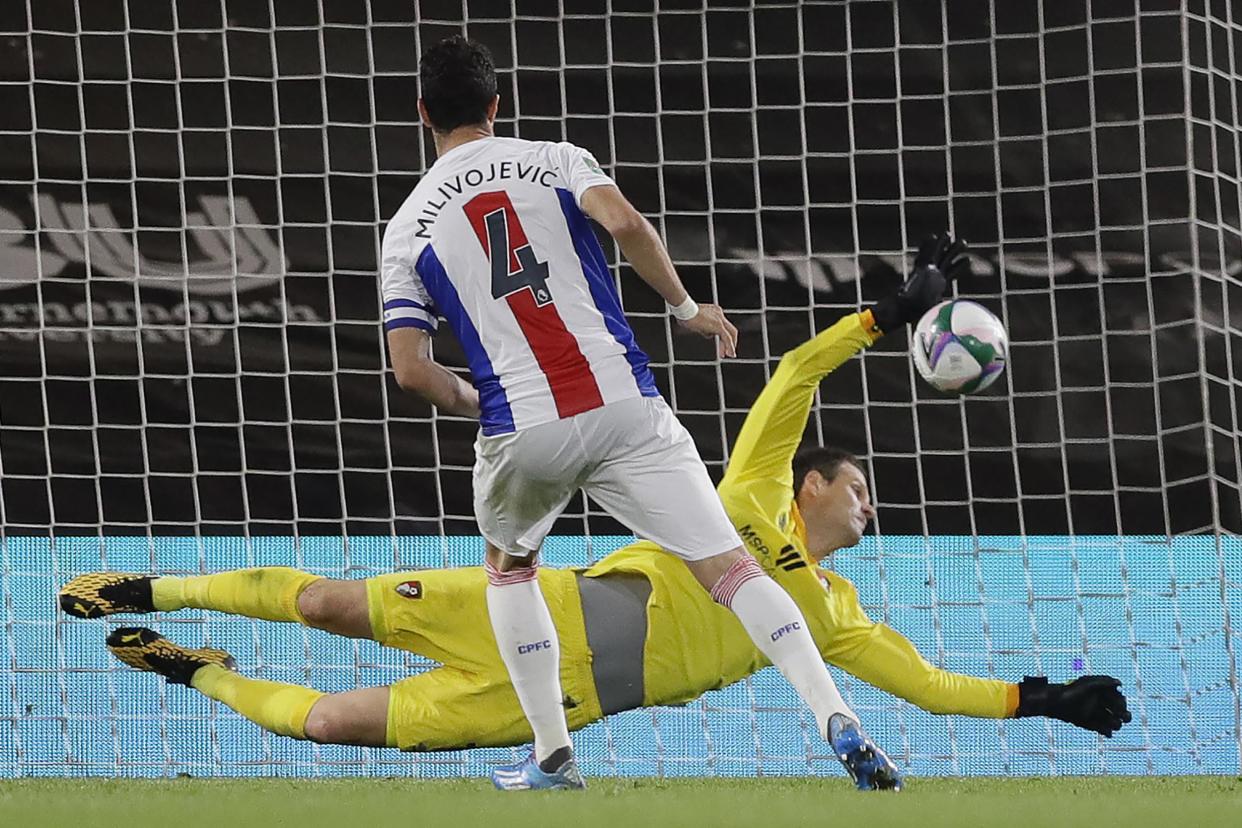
pixel 959 347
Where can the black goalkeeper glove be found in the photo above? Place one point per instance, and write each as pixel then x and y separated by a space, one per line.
pixel 941 259
pixel 1090 702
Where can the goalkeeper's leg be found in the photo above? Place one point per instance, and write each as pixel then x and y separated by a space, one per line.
pixel 356 717
pixel 271 593
pixel 441 709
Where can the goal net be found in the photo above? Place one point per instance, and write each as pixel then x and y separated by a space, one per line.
pixel 192 372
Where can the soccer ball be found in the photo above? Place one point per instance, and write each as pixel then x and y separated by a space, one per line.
pixel 959 347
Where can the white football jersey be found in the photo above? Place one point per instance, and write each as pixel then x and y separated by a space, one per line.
pixel 494 241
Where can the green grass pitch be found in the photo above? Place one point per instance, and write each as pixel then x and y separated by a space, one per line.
pixel 1169 802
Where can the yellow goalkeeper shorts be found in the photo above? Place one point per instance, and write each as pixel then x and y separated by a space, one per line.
pixel 441 614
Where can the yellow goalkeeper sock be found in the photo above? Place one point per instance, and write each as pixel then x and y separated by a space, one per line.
pixel 269 592
pixel 280 708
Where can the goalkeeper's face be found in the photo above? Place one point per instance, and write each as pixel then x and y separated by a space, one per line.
pixel 836 511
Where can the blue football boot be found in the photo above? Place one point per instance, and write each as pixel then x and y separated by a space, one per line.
pixel 527 776
pixel 868 766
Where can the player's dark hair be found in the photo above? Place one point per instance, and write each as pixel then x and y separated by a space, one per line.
pixel 824 459
pixel 457 81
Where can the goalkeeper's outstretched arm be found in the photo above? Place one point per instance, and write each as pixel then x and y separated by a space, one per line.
pixel 765 447
pixel 884 658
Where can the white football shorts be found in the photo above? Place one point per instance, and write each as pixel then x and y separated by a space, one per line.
pixel 632 457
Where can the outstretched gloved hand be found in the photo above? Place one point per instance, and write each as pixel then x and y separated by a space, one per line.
pixel 1090 702
pixel 941 259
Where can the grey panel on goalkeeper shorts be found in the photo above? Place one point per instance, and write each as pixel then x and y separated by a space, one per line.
pixel 614 609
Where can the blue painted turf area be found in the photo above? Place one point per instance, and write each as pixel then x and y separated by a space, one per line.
pixel 1155 613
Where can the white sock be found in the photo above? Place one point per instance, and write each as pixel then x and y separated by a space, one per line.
pixel 531 652
pixel 778 629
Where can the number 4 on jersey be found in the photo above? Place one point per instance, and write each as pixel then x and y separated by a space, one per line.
pixel 529 274
pixel 514 266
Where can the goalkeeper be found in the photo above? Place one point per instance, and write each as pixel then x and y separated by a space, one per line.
pixel 636 628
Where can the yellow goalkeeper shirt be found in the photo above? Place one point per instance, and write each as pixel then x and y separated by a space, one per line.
pixel 693 644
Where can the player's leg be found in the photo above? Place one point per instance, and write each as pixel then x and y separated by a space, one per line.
pixel 337 606
pixel 654 481
pixel 271 593
pixel 530 650
pixel 356 717
pixel 776 626
pixel 522 482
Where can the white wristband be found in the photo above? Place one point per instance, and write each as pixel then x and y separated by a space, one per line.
pixel 686 310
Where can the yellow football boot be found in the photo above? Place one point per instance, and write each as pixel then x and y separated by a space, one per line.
pixel 106 593
pixel 145 649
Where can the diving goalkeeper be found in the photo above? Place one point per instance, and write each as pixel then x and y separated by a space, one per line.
pixel 636 628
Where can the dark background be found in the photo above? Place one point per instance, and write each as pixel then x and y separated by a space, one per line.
pixel 191 204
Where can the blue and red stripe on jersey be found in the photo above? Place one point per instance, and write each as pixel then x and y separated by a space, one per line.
pixel 569 375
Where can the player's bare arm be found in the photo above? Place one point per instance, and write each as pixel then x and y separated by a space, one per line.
pixel 642 247
pixel 419 373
